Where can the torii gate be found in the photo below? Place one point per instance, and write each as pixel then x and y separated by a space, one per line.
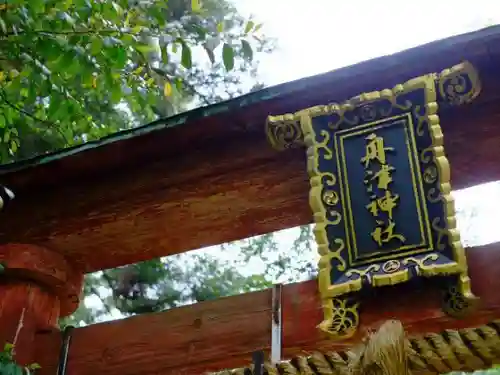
pixel 211 176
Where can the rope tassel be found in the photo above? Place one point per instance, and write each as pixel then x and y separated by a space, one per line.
pixel 389 352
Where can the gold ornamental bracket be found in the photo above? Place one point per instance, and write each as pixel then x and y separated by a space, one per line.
pixel 455 86
pixel 380 192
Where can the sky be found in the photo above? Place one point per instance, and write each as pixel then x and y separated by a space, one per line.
pixel 316 36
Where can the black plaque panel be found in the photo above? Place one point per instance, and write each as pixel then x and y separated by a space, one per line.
pixel 380 191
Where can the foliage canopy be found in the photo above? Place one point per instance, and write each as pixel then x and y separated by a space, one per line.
pixel 77 70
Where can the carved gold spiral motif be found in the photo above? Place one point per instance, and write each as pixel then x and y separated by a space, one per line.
pixel 337 254
pixel 330 178
pixel 426 155
pixel 430 174
pixel 336 217
pixel 455 89
pixel 404 105
pixel 420 262
pixel 456 85
pixel 330 197
pixel 364 272
pixel 456 303
pixel 391 266
pixel 284 132
pixel 455 300
pixel 323 145
pixel 442 232
pixel 345 317
pixel 335 119
pixel 421 119
pixel 433 195
pixel 460 84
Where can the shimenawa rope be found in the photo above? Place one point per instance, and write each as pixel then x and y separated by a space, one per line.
pixel 389 352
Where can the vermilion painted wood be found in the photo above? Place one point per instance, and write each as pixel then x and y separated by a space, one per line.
pixel 36 288
pixel 216 179
pixel 223 333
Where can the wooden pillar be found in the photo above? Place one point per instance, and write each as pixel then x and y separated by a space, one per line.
pixel 37 286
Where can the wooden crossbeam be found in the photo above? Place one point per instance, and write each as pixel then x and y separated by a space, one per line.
pixel 223 333
pixel 210 176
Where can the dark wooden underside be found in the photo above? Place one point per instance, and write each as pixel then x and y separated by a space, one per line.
pixel 223 333
pixel 216 179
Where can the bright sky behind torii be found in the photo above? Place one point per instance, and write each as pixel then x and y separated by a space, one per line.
pixel 316 36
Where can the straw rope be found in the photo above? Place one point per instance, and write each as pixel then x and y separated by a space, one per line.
pixel 389 352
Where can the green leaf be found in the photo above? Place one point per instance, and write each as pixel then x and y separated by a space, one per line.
pixel 8 347
pixel 11 369
pixel 247 50
pixel 55 77
pixel 119 56
pixel 249 26
pixel 66 4
pixel 145 48
pixel 195 6
pixel 186 59
pixel 164 55
pixel 3 26
pixel 67 18
pixel 6 136
pixel 96 45
pixel 116 94
pixel 13 146
pixel 178 84
pixel 37 6
pixel 69 63
pixel 8 113
pixel 118 9
pixel 137 29
pixel 34 366
pixel 167 89
pixel 128 39
pixel 228 57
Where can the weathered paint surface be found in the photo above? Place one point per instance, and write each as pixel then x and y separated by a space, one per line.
pixel 37 287
pixel 223 334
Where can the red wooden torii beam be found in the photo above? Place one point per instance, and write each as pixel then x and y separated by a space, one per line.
pixel 223 333
pixel 76 210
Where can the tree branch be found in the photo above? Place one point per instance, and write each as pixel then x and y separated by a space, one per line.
pixel 33 117
pixel 96 292
pixel 106 32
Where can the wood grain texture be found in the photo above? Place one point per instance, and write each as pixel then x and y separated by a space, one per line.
pixel 223 333
pixel 216 179
pixel 25 309
pixel 45 268
pixel 37 287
